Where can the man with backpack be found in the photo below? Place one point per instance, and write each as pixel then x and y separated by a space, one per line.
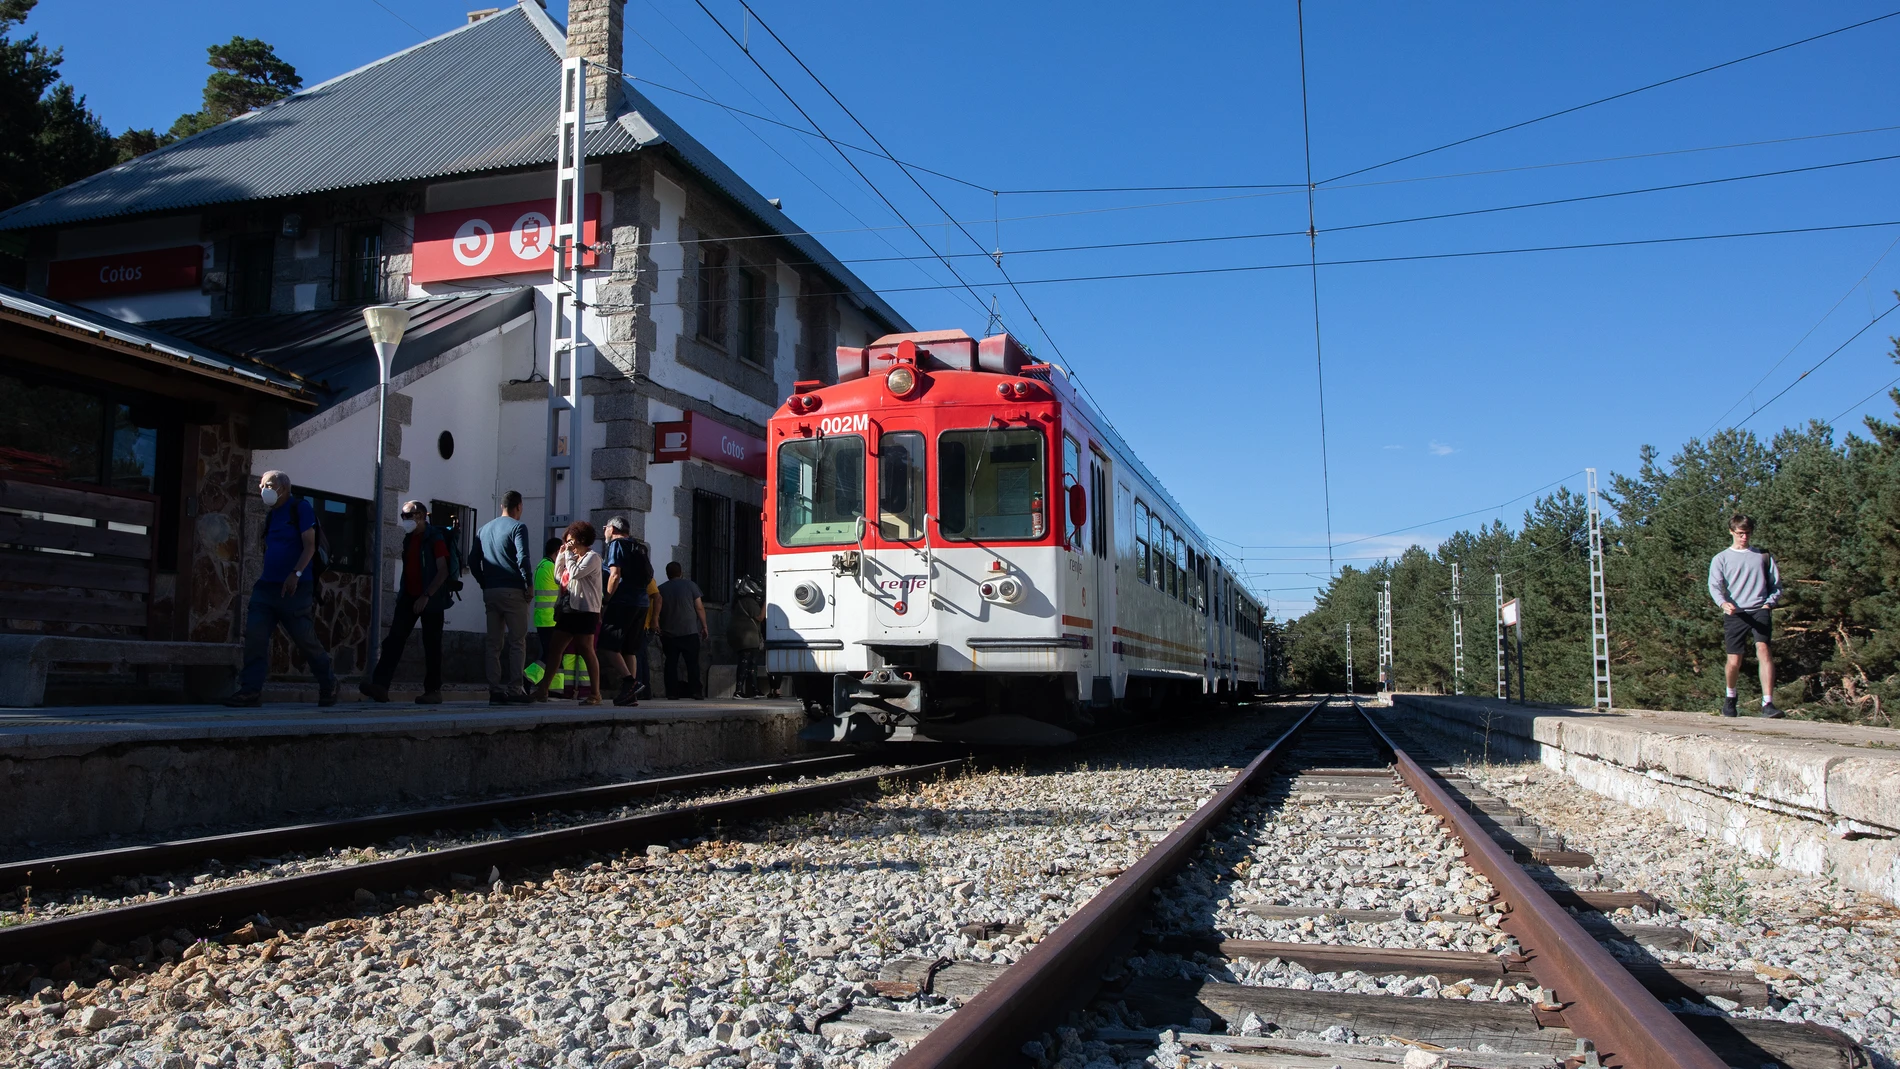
pixel 284 594
pixel 429 567
pixel 504 569
pixel 623 621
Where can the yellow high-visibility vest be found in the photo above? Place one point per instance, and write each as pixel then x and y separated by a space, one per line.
pixel 546 589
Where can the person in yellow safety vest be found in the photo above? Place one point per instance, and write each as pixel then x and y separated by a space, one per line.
pixel 547 589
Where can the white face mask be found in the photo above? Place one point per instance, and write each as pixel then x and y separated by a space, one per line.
pixel 408 526
pixel 269 494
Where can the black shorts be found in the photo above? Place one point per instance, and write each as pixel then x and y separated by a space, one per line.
pixel 577 623
pixel 623 629
pixel 1743 628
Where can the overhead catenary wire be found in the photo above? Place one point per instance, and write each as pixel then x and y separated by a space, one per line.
pixel 1573 109
pixel 1312 258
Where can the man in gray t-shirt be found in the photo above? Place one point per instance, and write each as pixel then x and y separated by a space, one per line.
pixel 1744 583
pixel 682 628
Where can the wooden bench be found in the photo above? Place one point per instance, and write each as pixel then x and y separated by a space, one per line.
pixel 76 559
pixel 209 668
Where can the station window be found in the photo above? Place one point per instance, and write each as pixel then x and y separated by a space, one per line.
pixel 900 486
pixel 748 339
pixel 820 490
pixel 712 294
pixel 990 484
pixel 359 265
pixel 346 527
pixel 1143 550
pixel 253 263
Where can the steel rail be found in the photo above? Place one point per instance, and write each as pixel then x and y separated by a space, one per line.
pixel 1603 1002
pixel 74 870
pixel 38 941
pixel 989 1028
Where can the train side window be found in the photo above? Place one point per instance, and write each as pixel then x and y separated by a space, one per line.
pixel 1141 540
pixel 1180 566
pixel 900 486
pixel 1000 492
pixel 820 490
pixel 1098 498
pixel 1071 476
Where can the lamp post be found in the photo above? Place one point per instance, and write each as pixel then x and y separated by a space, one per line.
pixel 386 323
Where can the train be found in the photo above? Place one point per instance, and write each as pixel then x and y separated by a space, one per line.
pixel 958 547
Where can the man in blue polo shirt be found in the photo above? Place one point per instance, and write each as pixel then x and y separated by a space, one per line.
pixel 284 594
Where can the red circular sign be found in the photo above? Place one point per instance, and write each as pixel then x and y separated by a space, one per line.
pixel 901 608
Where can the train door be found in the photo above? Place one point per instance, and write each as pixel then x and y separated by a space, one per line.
pixel 1101 561
pixel 1080 590
pixel 898 576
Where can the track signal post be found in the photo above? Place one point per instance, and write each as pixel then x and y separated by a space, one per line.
pixel 1599 607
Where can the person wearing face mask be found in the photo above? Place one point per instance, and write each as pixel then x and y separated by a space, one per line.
pixel 284 594
pixel 423 598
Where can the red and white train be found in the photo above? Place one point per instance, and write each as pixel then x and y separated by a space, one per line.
pixel 959 548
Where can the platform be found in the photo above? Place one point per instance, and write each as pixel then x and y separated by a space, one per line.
pixel 1817 798
pixel 81 772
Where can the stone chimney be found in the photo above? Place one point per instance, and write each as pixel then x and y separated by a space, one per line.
pixel 594 30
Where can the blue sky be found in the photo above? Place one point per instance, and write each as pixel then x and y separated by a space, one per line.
pixel 1452 384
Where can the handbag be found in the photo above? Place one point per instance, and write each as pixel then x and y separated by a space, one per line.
pixel 563 604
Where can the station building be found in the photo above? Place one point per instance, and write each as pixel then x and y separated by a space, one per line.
pixel 426 179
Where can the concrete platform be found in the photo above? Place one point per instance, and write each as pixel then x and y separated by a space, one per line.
pixel 1816 798
pixel 79 773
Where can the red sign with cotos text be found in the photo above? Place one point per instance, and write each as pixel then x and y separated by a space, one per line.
pixel 495 239
pixel 152 271
pixel 705 439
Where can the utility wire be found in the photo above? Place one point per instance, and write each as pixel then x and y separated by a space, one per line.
pixel 1312 258
pixel 813 75
pixel 1613 96
pixel 1817 364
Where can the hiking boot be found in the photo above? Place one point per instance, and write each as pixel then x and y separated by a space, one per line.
pixel 326 694
pixel 1769 712
pixel 626 699
pixel 246 699
pixel 500 697
pixel 373 691
pixel 521 697
pixel 431 697
pixel 1728 706
pixel 626 693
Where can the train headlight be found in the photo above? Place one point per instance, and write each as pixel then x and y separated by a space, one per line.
pixel 901 381
pixel 808 596
pixel 1007 591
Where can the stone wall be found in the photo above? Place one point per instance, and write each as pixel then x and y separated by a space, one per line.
pixel 219 486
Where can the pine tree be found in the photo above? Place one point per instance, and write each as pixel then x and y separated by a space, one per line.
pixel 246 74
pixel 48 138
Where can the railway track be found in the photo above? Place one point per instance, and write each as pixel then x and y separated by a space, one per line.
pixel 248 906
pixel 1146 966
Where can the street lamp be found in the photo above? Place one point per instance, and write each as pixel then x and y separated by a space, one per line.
pixel 386 323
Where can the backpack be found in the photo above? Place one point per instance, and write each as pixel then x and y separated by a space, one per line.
pixel 456 560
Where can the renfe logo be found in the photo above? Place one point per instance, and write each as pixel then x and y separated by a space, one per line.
pixel 469 242
pixel 857 424
pixel 904 585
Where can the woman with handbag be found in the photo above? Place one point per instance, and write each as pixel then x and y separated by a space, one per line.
pixel 577 607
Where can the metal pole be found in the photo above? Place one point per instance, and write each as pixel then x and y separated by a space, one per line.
pixel 1457 637
pixel 1504 675
pixel 1599 608
pixel 1386 682
pixel 565 447
pixel 1520 655
pixel 376 535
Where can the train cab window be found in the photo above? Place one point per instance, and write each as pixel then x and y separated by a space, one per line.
pixel 820 490
pixel 1143 541
pixel 900 486
pixel 990 484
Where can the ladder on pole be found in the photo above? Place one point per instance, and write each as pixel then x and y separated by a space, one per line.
pixel 1349 689
pixel 1599 608
pixel 1385 639
pixel 565 500
pixel 1457 636
pixel 1504 678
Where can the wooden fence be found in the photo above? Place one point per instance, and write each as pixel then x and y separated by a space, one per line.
pixel 75 560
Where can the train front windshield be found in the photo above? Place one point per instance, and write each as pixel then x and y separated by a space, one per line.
pixel 820 491
pixel 991 483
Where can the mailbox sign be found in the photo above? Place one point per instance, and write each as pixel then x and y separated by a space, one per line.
pixel 701 438
pixel 496 239
pixel 152 271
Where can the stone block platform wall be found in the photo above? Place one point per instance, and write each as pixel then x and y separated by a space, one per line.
pixel 1821 799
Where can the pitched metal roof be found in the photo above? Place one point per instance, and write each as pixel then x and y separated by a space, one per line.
pixel 478 98
pixel 330 350
pixel 147 343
